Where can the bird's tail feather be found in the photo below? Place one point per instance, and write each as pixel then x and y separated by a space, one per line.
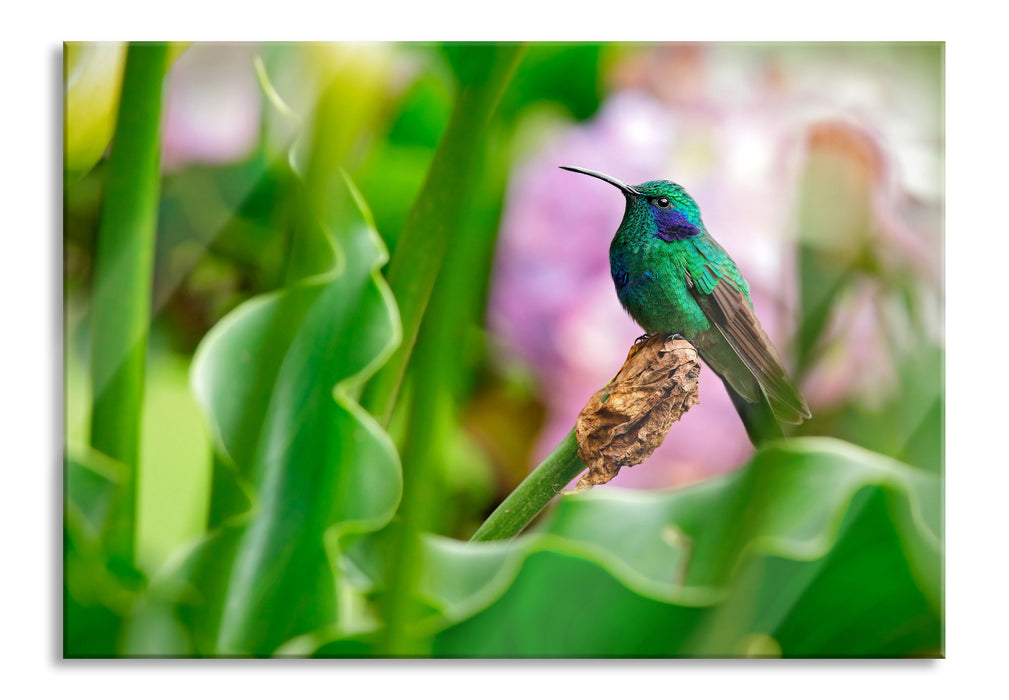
pixel 758 418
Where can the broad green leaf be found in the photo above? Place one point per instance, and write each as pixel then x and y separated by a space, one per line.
pixel 817 546
pixel 276 379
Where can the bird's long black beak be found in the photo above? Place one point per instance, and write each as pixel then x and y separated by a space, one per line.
pixel 626 189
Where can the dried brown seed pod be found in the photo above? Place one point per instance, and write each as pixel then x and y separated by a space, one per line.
pixel 626 420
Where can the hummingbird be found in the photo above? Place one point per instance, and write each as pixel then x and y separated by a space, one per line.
pixel 672 277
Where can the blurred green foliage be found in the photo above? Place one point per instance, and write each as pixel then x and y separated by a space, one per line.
pixel 704 571
pixel 274 516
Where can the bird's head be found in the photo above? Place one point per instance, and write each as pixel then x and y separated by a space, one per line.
pixel 662 206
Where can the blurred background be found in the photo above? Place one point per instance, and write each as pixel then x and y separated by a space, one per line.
pixel 819 168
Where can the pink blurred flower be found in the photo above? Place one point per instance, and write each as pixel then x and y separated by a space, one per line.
pixel 731 127
pixel 213 106
pixel 553 299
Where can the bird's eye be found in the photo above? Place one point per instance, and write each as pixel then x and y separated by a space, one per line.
pixel 662 202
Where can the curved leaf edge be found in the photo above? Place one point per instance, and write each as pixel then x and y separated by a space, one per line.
pixel 343 391
pixel 891 476
pixel 172 582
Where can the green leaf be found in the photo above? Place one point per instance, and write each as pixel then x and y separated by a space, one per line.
pixel 817 546
pixel 563 72
pixel 277 379
pixel 98 584
pixel 435 219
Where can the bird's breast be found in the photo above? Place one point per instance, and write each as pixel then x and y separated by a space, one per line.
pixel 657 297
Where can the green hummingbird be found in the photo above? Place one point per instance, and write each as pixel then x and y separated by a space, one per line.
pixel 674 278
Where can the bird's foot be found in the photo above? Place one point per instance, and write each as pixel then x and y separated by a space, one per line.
pixel 642 338
pixel 675 336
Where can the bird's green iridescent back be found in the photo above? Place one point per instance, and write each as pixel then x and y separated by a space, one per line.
pixel 656 292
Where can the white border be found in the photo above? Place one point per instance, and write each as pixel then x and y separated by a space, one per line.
pixel 976 235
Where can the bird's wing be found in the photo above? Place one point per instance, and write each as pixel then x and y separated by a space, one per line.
pixel 729 310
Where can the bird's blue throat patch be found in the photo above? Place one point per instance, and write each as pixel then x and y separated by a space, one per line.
pixel 673 225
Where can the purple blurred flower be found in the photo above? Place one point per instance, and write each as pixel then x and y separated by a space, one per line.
pixel 731 127
pixel 553 299
pixel 213 106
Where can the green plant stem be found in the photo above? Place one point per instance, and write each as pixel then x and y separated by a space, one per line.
pixel 422 489
pixel 534 493
pixel 124 261
pixel 433 369
pixel 435 218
